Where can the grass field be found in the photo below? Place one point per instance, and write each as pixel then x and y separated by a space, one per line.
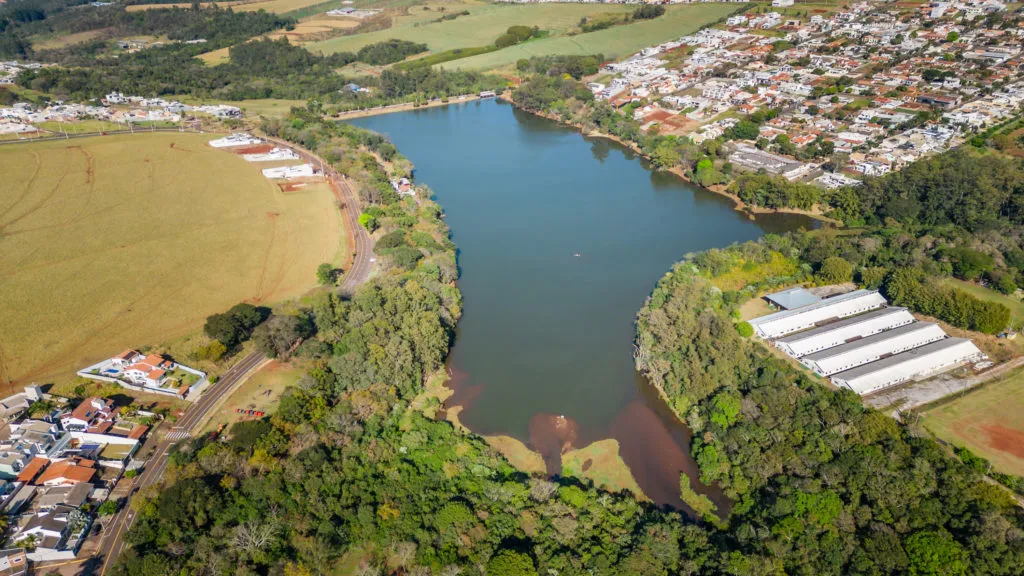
pixel 277 6
pixel 989 421
pixel 1015 305
pixel 123 241
pixel 600 462
pixel 615 43
pixel 262 391
pixel 81 126
pixel 481 27
pixel 63 40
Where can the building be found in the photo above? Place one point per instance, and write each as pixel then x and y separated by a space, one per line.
pixel 860 326
pixel 13 562
pixel 793 298
pixel 151 373
pixel 237 139
pixel 863 350
pixel 275 155
pixel 910 365
pixel 841 306
pixel 288 172
pixel 67 473
pixel 18 403
pixel 93 414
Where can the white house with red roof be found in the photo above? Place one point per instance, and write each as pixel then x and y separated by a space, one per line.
pixel 146 373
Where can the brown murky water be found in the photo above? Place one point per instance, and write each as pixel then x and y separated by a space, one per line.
pixel 560 240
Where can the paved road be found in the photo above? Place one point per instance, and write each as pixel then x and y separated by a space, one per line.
pixel 362 243
pixel 113 539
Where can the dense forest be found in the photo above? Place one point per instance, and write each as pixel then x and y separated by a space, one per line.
pixel 821 484
pixel 351 475
pixel 256 69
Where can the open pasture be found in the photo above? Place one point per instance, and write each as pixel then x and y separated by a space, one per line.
pixel 616 42
pixel 481 27
pixel 987 421
pixel 124 241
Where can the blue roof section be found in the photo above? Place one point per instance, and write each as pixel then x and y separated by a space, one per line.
pixel 793 298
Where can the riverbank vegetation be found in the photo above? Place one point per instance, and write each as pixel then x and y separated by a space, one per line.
pixel 805 463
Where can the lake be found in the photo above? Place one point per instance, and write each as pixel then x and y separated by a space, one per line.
pixel 561 238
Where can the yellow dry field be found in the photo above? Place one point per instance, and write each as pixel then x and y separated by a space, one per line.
pixel 138 7
pixel 114 242
pixel 64 40
pixel 309 30
pixel 277 6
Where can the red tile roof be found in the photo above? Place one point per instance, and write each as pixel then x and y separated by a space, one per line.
pixel 32 469
pixel 68 471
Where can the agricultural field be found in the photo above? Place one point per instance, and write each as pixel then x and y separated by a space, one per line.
pixel 615 43
pixel 277 6
pixel 987 421
pixel 125 241
pixel 481 27
pixel 55 41
pixel 261 392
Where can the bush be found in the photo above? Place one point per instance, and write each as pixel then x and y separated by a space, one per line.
pixel 506 40
pixel 108 508
pixel 391 240
pixel 406 257
pixel 745 329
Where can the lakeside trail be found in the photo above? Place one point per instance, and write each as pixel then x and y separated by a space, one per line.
pixel 720 189
pixel 351 114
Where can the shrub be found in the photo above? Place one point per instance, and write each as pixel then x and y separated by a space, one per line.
pixel 745 329
pixel 835 270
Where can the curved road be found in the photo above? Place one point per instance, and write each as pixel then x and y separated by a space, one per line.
pixel 362 243
pixel 362 264
pixel 194 416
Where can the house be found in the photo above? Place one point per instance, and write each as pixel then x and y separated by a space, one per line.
pixel 93 414
pixel 67 473
pixel 56 534
pixel 18 403
pixel 74 495
pixel 31 470
pixel 13 562
pixel 150 371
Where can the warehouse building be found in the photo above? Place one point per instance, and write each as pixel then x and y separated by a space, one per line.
pixel 860 326
pixel 874 347
pixel 804 317
pixel 910 365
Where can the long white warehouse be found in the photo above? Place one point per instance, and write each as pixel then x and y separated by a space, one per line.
pixel 874 347
pixel 860 326
pixel 841 306
pixel 236 139
pixel 274 155
pixel 912 364
pixel 288 172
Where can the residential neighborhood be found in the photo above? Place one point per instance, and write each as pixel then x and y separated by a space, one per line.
pixel 59 461
pixel 914 84
pixel 147 373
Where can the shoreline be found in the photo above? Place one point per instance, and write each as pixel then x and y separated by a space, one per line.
pixel 719 189
pixel 405 107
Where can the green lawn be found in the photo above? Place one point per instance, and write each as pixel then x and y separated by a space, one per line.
pixel 481 27
pixel 988 421
pixel 81 126
pixel 1015 305
pixel 615 43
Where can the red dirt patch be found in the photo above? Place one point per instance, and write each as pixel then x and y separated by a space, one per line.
pixel 255 149
pixel 291 186
pixel 1005 439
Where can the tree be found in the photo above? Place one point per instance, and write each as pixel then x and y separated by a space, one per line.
pixel 108 508
pixel 745 329
pixel 935 553
pixel 325 274
pixel 276 336
pixel 835 270
pixel 510 563
pixel 952 36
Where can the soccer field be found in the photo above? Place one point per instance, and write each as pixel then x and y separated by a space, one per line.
pixel 125 241
pixel 989 421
